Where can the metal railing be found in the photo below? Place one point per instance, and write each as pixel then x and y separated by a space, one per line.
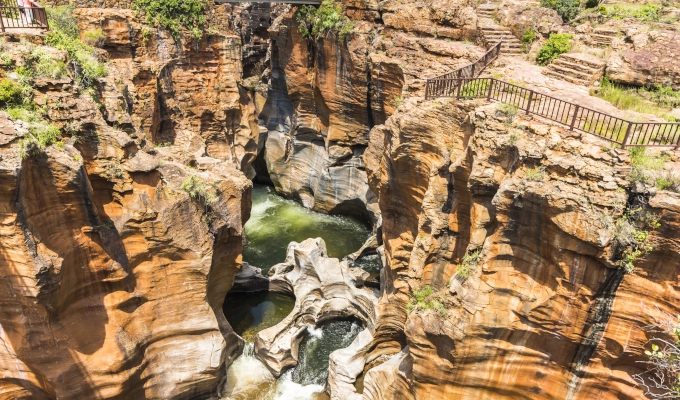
pixel 576 117
pixel 440 84
pixel 13 16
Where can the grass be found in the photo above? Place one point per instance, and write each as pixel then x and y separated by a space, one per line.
pixel 645 166
pixel 509 110
pixel 40 136
pixel 65 36
pixel 424 299
pixel 197 189
pixel 536 174
pixel 468 263
pixel 656 101
pixel 668 181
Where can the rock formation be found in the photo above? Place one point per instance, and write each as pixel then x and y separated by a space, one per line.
pixel 324 289
pixel 545 312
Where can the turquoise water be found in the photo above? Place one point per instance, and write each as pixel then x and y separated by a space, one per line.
pixel 275 222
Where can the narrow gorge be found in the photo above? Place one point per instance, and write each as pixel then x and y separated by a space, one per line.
pixel 377 200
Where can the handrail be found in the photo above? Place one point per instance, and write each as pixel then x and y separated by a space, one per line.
pixel 576 117
pixel 13 16
pixel 471 70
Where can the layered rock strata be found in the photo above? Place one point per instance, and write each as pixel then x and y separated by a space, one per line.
pixel 545 311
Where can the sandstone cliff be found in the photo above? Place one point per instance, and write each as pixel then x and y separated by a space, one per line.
pixel 545 312
pixel 113 275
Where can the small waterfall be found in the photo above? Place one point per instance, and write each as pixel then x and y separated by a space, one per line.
pixel 316 333
pixel 248 350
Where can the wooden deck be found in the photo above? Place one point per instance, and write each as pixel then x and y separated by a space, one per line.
pixel 314 2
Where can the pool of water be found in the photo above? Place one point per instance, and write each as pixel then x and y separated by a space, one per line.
pixel 275 222
pixel 249 379
pixel 249 313
pixel 371 264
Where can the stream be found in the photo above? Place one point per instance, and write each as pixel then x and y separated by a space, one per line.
pixel 273 224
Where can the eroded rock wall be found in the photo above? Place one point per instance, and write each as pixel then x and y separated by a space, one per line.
pixel 545 313
pixel 113 275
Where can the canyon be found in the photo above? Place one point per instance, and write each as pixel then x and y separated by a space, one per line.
pixel 403 247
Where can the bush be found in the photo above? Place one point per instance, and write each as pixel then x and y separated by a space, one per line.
pixel 13 93
pixel 528 38
pixel 95 38
pixel 174 15
pixel 631 236
pixel 40 136
pixel 62 20
pixel 197 189
pixel 661 380
pixel 536 174
pixel 645 167
pixel 327 19
pixel 509 110
pixel 558 43
pixel 669 181
pixel 424 299
pixel 567 9
pixel 86 66
pixel 645 13
pixel 468 263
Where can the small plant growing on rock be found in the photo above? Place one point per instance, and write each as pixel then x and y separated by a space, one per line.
pixel 631 236
pixel 424 299
pixel 197 190
pixel 40 136
pixel 668 181
pixel 528 38
pixel 13 93
pixel 327 19
pixel 468 263
pixel 536 174
pixel 646 167
pixel 558 43
pixel 398 101
pixel 509 110
pixel 95 38
pixel 662 378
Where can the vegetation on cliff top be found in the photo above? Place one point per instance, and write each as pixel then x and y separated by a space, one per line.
pixel 327 19
pixel 65 36
pixel 557 43
pixel 175 15
pixel 657 100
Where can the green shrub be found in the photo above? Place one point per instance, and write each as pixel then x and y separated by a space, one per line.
pixel 87 67
pixel 62 20
pixel 529 36
pixel 536 174
pixel 468 263
pixel 94 38
pixel 328 18
pixel 424 299
pixel 13 93
pixel 631 236
pixel 558 43
pixel 567 9
pixel 509 110
pixel 174 15
pixel 645 167
pixel 644 13
pixel 40 136
pixel 668 181
pixel 6 59
pixel 197 189
pixel 40 63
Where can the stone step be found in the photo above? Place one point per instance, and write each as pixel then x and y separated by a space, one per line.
pixel 571 79
pixel 606 32
pixel 583 59
pixel 570 72
pixel 586 69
